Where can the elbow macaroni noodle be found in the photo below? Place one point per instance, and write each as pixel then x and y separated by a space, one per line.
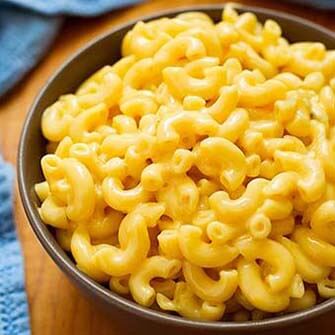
pixel 197 172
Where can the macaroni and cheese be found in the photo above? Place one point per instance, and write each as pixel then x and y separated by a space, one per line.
pixel 197 173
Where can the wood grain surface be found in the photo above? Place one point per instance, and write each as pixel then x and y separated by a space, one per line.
pixel 56 307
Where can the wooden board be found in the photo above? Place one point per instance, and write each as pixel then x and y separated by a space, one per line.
pixel 56 307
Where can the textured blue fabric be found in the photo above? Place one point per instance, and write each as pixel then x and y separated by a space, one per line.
pixel 13 305
pixel 72 7
pixel 24 38
pixel 28 27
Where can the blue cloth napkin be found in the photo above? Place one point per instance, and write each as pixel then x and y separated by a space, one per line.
pixel 13 304
pixel 28 28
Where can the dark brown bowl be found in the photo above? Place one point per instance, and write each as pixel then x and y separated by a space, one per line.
pixel 106 50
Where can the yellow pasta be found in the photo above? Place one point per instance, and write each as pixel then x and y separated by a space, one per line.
pixel 196 174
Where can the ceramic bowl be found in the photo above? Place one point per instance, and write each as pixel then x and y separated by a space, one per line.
pixel 106 50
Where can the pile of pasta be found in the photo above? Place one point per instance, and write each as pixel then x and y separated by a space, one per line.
pixel 196 174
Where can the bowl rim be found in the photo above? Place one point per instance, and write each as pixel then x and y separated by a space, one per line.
pixel 69 267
